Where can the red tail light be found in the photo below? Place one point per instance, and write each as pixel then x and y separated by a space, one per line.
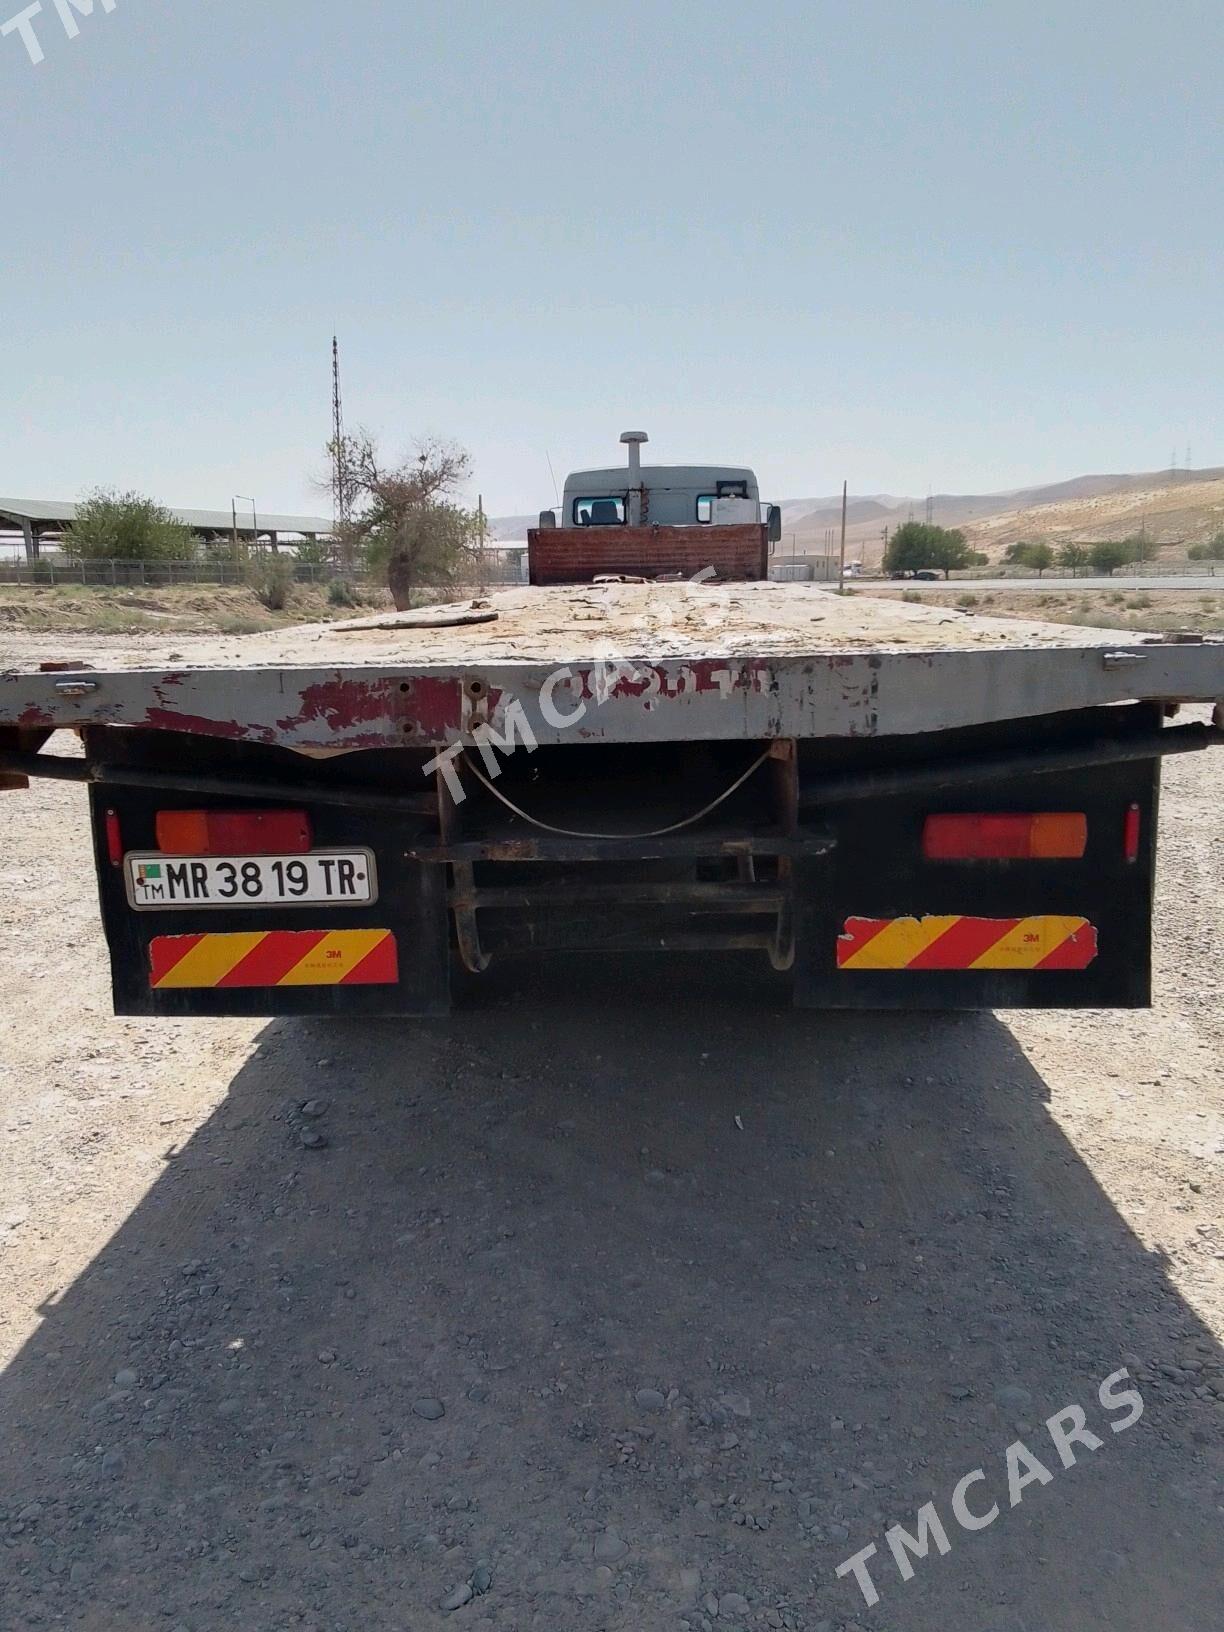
pixel 1131 833
pixel 1048 835
pixel 233 832
pixel 114 839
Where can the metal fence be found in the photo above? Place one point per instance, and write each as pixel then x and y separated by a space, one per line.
pixel 60 569
pixel 1131 569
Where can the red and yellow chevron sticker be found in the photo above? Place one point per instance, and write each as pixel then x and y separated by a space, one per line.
pixel 959 942
pixel 275 957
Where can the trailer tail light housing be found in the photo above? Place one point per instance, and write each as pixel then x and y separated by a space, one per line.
pixel 233 832
pixel 1047 835
pixel 1131 833
pixel 114 839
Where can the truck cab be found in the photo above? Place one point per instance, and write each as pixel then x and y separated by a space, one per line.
pixel 655 521
pixel 670 496
pixel 638 495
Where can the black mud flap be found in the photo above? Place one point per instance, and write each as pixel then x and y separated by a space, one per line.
pixel 388 957
pixel 882 926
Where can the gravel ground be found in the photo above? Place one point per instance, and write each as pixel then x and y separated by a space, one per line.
pixel 1125 607
pixel 627 1298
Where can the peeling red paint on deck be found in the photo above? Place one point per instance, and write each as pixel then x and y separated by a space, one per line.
pixel 199 725
pixel 431 706
pixel 339 704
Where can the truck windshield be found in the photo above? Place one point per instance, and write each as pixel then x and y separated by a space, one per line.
pixel 599 512
pixel 726 490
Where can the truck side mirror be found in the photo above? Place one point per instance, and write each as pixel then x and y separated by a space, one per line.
pixel 773 523
pixel 547 518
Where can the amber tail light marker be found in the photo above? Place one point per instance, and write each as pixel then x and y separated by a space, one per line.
pixel 233 832
pixel 1047 835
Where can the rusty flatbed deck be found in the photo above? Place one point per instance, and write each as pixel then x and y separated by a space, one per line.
pixel 623 663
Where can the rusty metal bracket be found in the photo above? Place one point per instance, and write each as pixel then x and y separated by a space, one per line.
pixel 463 906
pixel 810 841
pixel 18 749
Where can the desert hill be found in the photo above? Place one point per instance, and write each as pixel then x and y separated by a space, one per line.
pixel 1174 513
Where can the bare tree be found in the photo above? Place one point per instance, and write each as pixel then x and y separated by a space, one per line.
pixel 406 519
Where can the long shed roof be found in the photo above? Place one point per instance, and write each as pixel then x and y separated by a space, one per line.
pixel 55 512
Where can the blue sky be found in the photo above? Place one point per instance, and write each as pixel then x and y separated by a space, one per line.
pixel 957 246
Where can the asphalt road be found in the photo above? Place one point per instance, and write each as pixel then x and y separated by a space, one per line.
pixel 1172 581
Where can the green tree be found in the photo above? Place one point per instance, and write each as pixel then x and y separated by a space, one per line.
pixel 1213 550
pixel 910 548
pixel 918 545
pixel 406 521
pixel 315 552
pixel 952 553
pixel 1073 557
pixel 1109 555
pixel 126 527
pixel 1035 556
pixel 1140 547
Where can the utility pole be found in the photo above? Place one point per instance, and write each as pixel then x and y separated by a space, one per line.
pixel 841 576
pixel 340 487
pixel 480 540
pixel 342 498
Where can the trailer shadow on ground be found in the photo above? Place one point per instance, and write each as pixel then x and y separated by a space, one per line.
pixel 708 1294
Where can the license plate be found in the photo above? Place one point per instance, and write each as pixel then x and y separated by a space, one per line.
pixel 339 878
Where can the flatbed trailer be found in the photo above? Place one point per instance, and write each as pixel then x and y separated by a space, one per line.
pixel 899 805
